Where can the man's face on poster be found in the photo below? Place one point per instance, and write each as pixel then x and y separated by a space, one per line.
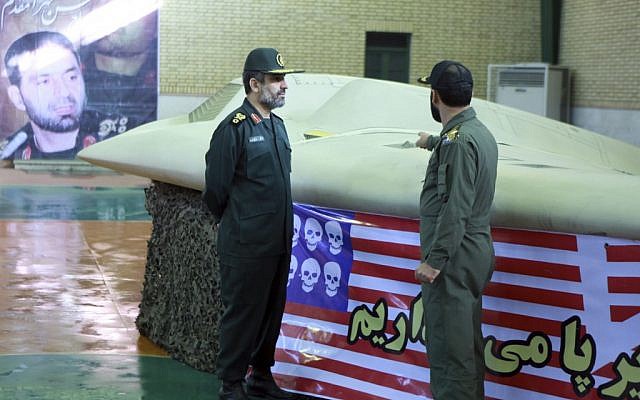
pixel 52 90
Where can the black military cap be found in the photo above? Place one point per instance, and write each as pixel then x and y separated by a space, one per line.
pixel 448 75
pixel 267 60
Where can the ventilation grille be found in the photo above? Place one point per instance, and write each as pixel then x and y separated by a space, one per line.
pixel 521 78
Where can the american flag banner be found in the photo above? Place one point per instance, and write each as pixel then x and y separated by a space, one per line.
pixel 561 315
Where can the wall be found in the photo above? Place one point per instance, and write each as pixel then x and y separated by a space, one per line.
pixel 203 44
pixel 600 42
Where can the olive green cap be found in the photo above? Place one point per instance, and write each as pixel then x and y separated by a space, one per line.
pixel 268 61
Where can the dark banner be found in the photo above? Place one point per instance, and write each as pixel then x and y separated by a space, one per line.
pixel 75 72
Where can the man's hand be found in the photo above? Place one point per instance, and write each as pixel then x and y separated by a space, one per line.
pixel 425 273
pixel 422 141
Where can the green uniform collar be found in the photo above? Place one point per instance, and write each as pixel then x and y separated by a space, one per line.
pixel 464 116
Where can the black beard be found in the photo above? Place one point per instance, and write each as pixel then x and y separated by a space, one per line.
pixel 270 101
pixel 67 123
pixel 54 123
pixel 435 113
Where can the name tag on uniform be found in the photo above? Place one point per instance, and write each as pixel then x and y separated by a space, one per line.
pixel 254 139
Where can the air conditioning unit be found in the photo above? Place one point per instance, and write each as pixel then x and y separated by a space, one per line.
pixel 538 88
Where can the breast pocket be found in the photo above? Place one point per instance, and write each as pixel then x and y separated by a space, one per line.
pixel 259 161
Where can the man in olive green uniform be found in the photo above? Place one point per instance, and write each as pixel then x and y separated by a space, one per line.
pixel 455 237
pixel 249 193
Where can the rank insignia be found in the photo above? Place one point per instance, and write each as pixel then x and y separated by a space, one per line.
pixel 255 118
pixel 238 118
pixel 450 136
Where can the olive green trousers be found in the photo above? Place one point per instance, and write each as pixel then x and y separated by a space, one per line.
pixel 453 316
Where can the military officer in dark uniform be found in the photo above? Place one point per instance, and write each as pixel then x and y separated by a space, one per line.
pixel 455 236
pixel 53 96
pixel 249 192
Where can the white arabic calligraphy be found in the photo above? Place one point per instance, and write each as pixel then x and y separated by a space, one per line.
pixel 48 10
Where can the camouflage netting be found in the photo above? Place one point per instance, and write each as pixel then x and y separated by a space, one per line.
pixel 181 306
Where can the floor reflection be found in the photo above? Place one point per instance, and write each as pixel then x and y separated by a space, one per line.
pixel 72 262
pixel 104 377
pixel 72 203
pixel 75 284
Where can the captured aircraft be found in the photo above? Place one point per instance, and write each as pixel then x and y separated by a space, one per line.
pixel 353 148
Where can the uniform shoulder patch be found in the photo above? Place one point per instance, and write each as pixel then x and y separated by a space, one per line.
pixel 239 117
pixel 451 135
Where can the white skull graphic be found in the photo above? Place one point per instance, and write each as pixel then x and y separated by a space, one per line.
pixel 296 229
pixel 293 267
pixel 334 232
pixel 312 233
pixel 310 274
pixel 331 278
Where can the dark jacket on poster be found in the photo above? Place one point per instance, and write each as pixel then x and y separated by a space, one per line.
pixel 94 127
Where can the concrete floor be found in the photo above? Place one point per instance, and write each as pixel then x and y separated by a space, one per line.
pixel 72 258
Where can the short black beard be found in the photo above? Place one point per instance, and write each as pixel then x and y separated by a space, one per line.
pixel 65 124
pixel 270 102
pixel 435 113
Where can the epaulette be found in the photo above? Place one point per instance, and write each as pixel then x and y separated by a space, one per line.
pixel 239 117
pixel 451 135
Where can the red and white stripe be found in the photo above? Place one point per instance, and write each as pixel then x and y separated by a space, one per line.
pixel 541 280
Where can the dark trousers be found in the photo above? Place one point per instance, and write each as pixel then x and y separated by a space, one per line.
pixel 254 293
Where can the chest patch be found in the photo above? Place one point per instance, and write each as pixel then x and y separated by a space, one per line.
pixel 255 139
pixel 450 136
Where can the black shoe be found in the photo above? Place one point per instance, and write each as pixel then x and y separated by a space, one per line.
pixel 232 391
pixel 262 385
